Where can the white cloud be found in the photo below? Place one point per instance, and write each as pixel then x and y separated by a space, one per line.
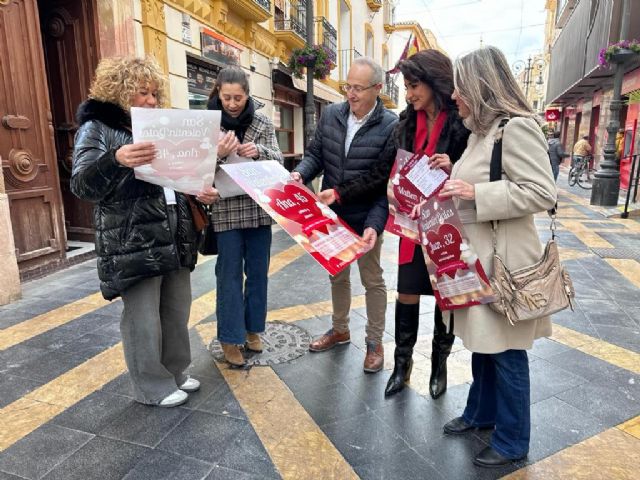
pixel 514 26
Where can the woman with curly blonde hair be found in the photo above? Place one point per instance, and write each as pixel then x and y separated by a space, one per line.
pixel 146 241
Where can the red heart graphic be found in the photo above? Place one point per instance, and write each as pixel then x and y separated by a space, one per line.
pixel 406 194
pixel 173 166
pixel 297 205
pixel 444 246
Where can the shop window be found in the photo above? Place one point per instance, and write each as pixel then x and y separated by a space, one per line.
pixel 200 80
pixel 283 122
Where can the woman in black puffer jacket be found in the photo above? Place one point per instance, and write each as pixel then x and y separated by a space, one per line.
pixel 145 238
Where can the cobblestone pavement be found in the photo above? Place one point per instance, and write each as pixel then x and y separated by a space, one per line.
pixel 66 410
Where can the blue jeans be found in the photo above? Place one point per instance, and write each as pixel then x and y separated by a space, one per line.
pixel 241 304
pixel 500 396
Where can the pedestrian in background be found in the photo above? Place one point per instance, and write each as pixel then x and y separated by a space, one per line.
pixel 556 154
pixel 349 140
pixel 430 123
pixel 136 221
pixel 499 398
pixel 242 227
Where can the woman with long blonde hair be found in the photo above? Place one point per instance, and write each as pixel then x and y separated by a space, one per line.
pixel 146 241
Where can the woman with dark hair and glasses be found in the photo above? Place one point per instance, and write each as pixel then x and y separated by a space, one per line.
pixel 430 123
pixel 243 228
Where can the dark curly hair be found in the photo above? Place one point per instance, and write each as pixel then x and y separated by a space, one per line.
pixel 435 69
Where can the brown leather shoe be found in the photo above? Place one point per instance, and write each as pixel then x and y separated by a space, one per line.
pixel 253 343
pixel 233 355
pixel 374 360
pixel 329 340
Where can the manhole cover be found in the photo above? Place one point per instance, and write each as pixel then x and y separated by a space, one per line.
pixel 282 342
pixel 624 253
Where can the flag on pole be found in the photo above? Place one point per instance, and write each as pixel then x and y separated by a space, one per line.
pixel 409 49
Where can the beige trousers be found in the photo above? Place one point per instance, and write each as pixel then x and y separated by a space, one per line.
pixel 375 294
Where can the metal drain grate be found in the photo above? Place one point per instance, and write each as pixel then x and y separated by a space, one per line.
pixel 281 342
pixel 624 253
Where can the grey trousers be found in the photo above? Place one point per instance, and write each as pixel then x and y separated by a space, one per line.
pixel 375 294
pixel 155 334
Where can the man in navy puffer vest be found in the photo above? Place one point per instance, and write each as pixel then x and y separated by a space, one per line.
pixel 350 138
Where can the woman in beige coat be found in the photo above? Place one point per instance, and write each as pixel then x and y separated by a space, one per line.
pixel 486 93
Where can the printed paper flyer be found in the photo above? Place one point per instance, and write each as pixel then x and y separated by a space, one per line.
pixel 456 275
pixel 187 146
pixel 299 212
pixel 411 181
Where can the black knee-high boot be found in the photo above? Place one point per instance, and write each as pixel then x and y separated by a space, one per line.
pixel 440 350
pixel 406 337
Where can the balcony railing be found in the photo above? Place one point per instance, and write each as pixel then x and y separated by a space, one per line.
pixel 346 57
pixel 293 19
pixel 327 36
pixel 293 24
pixel 266 4
pixel 390 89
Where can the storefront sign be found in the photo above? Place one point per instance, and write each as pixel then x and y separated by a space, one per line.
pixel 186 28
pixel 219 48
pixel 552 115
pixel 200 79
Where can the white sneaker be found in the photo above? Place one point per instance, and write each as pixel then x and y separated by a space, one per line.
pixel 190 385
pixel 173 400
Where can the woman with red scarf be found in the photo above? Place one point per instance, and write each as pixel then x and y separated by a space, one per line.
pixel 431 124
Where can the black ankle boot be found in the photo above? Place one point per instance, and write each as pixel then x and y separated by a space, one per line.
pixel 406 336
pixel 440 350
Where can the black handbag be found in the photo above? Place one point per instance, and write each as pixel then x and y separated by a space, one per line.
pixel 209 239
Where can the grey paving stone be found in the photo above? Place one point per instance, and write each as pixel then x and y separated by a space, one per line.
pixel 452 455
pixel 13 359
pixel 556 425
pixel 143 424
pixel 101 458
pixel 363 437
pixel 583 365
pixel 417 420
pixel 576 321
pixel 612 399
pixel 69 333
pixel 220 401
pixel 222 440
pixel 314 288
pixel 548 379
pixel 545 348
pixel 309 371
pixel 331 403
pixel 40 451
pixel 222 473
pixel 454 400
pixel 7 476
pixel 158 465
pixel 48 366
pixel 619 335
pixel 12 388
pixel 93 413
pixel 370 389
pixel 316 326
pixel 605 312
pixel 398 465
pixel 88 345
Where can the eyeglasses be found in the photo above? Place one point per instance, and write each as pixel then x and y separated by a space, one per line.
pixel 346 88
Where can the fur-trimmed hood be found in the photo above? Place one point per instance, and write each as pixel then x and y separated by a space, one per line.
pixel 110 114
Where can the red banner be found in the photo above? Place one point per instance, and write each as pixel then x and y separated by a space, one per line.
pixel 552 115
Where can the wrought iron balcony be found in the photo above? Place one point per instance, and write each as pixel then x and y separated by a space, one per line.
pixel 291 26
pixel 254 10
pixel 327 36
pixel 346 57
pixel 374 5
pixel 390 92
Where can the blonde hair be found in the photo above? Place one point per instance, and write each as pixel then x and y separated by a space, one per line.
pixel 117 80
pixel 485 84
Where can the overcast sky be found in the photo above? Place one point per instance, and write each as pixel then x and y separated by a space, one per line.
pixel 514 26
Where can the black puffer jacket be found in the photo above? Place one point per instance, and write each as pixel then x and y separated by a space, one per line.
pixel 326 153
pixel 452 141
pixel 133 237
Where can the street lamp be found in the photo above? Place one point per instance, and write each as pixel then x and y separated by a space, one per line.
pixel 606 182
pixel 309 105
pixel 538 64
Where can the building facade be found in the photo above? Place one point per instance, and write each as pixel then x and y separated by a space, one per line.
pixel 50 50
pixel 579 86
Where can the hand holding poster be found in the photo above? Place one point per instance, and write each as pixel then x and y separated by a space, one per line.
pixel 455 272
pixel 299 212
pixel 411 182
pixel 187 146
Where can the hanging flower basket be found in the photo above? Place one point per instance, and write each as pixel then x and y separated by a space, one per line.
pixel 618 52
pixel 314 58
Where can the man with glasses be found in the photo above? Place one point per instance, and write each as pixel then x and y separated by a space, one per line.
pixel 350 138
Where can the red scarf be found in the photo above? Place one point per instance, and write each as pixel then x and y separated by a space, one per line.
pixel 407 247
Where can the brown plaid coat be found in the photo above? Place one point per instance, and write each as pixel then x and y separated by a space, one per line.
pixel 243 212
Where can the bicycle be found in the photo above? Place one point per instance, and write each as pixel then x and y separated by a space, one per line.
pixel 580 172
